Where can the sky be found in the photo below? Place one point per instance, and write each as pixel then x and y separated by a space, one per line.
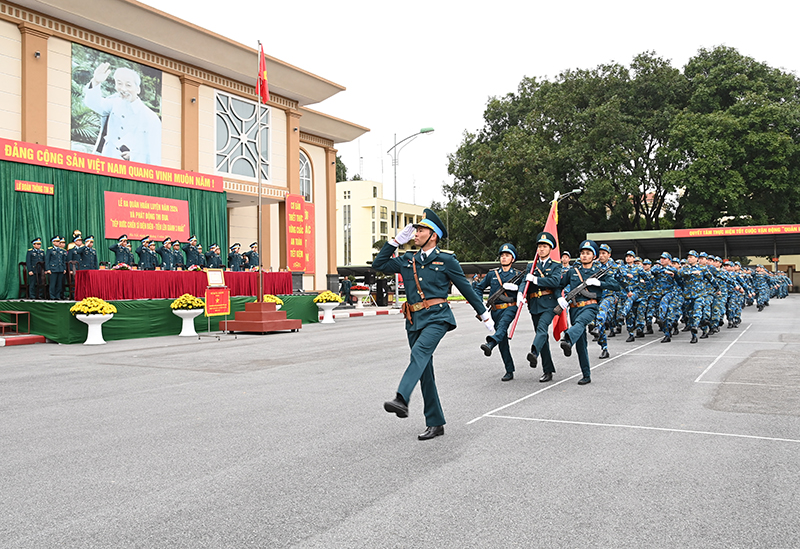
pixel 415 64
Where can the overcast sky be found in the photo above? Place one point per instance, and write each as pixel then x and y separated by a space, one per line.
pixel 436 63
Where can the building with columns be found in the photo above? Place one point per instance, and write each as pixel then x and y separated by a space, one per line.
pixel 205 89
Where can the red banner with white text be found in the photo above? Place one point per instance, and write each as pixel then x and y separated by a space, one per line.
pixel 138 216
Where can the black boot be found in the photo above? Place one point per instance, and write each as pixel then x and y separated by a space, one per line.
pixel 675 330
pixel 630 339
pixel 667 338
pixel 649 329
pixel 612 333
pixel 640 333
pixel 604 353
pixel 694 336
pixel 488 346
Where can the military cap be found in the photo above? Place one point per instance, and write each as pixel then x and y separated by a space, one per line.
pixel 717 258
pixel 79 237
pixel 200 247
pixel 176 242
pixel 605 247
pixel 213 247
pixel 630 252
pixel 703 254
pixel 589 245
pixel 123 238
pixel 254 244
pixel 146 239
pixel 431 221
pixel 666 255
pixel 235 245
pixel 90 238
pixel 37 240
pixel 55 238
pixel 693 252
pixel 167 241
pixel 61 239
pixel 738 264
pixel 647 262
pixel 546 238
pixel 151 242
pixel 193 238
pixel 637 259
pixel 683 261
pixel 566 253
pixel 509 249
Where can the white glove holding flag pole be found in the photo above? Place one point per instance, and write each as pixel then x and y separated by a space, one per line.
pixel 532 279
pixel 563 303
pixel 510 287
pixel 487 321
pixel 592 281
pixel 404 236
pixel 520 299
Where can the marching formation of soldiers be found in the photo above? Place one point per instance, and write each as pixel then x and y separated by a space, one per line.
pixel 701 292
pixel 81 255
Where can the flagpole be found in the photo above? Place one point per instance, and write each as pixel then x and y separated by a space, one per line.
pixel 258 155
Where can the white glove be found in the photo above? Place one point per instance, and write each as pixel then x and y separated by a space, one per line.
pixel 511 287
pixel 486 315
pixel 487 321
pixel 532 279
pixel 405 235
pixel 592 281
pixel 520 299
pixel 563 303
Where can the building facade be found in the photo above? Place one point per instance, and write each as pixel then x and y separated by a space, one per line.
pixel 201 86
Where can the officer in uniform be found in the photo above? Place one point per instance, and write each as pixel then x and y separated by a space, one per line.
pixel 543 282
pixel 122 251
pixel 695 279
pixel 583 309
pixel 608 302
pixel 151 261
pixel 74 250
pixel 427 275
pixel 202 259
pixel 344 290
pixel 193 255
pixel 34 256
pixel 235 259
pixel 565 259
pixel 213 260
pixel 504 309
pixel 55 263
pixel 664 286
pixel 88 255
pixel 177 256
pixel 251 257
pixel 167 258
pixel 141 251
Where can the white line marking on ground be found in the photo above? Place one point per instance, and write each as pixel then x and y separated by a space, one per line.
pixel 722 353
pixel 754 384
pixel 645 428
pixel 556 384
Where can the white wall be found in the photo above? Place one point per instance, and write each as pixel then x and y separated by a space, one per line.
pixel 10 81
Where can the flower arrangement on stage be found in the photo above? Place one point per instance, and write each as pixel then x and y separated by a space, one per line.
pixel 359 288
pixel 195 268
pixel 188 301
pixel 327 297
pixel 121 267
pixel 92 306
pixel 269 298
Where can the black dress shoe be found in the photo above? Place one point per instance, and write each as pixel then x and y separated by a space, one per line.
pixel 486 349
pixel 630 338
pixel 640 333
pixel 584 381
pixel 430 432
pixel 546 377
pixel 704 336
pixel 612 333
pixel 649 330
pixel 694 338
pixel 667 339
pixel 508 377
pixel 604 354
pixel 532 360
pixel 397 406
pixel 566 347
pixel 619 329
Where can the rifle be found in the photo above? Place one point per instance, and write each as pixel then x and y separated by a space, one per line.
pixel 495 296
pixel 512 328
pixel 580 289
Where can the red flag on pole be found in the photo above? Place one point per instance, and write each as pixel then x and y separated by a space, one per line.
pixel 262 87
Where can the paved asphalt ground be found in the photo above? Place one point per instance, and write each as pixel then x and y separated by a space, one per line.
pixel 282 441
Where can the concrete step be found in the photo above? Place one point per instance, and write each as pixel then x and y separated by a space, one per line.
pixel 21 339
pixel 260 326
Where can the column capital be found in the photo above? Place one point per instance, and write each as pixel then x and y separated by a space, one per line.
pixel 33 30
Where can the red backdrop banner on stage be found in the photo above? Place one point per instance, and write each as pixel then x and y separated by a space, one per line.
pixel 308 237
pixel 138 216
pixel 295 233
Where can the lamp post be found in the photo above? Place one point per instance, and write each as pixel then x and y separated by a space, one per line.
pixel 395 152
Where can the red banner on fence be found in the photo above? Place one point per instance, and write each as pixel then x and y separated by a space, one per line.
pixel 33 187
pixel 51 157
pixel 139 216
pixel 738 231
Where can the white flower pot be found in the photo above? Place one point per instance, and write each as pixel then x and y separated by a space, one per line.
pixel 95 323
pixel 360 294
pixel 188 316
pixel 327 311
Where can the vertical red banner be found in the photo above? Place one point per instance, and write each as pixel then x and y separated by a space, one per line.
pixel 308 238
pixel 295 233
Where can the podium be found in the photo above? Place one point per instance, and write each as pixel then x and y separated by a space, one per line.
pixel 260 318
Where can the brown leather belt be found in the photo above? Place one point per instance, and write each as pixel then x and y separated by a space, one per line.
pixel 540 293
pixel 408 308
pixel 503 306
pixel 583 303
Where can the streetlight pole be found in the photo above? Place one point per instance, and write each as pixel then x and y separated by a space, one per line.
pixel 395 152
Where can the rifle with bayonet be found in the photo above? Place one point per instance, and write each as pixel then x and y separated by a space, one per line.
pixel 519 277
pixel 581 289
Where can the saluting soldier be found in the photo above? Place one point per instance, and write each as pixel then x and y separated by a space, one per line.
pixel 56 266
pixel 427 275
pixel 34 256
pixel 88 255
pixel 72 244
pixel 583 309
pixel 193 255
pixel 235 260
pixel 504 309
pixel 150 260
pixel 122 251
pixel 177 256
pixel 167 257
pixel 202 259
pixel 74 250
pixel 213 260
pixel 541 298
pixel 251 257
pixel 141 251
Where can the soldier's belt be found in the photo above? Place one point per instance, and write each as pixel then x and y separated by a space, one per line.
pixel 499 306
pixel 408 308
pixel 540 293
pixel 583 303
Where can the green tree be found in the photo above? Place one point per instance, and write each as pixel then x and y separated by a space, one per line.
pixel 341 169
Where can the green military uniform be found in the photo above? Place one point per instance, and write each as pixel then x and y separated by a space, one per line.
pixel 32 259
pixel 426 326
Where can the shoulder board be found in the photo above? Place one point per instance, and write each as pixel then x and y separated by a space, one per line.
pixel 448 252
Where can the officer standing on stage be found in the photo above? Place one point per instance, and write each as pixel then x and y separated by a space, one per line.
pixel 55 263
pixel 427 275
pixel 213 260
pixel 167 257
pixel 34 256
pixel 88 255
pixel 202 259
pixel 193 255
pixel 583 309
pixel 74 250
pixel 251 257
pixel 122 251
pixel 177 256
pixel 543 288
pixel 235 259
pixel 504 309
pixel 144 257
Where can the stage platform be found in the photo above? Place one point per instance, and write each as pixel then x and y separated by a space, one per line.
pixel 140 318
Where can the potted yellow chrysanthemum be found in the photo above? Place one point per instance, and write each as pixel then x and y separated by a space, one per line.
pixel 326 302
pixel 269 298
pixel 187 307
pixel 93 312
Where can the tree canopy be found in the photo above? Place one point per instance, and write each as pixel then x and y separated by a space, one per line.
pixel 648 146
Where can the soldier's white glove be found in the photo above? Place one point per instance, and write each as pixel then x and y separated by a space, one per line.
pixel 520 299
pixel 532 279
pixel 487 321
pixel 404 236
pixel 511 287
pixel 592 281
pixel 563 303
